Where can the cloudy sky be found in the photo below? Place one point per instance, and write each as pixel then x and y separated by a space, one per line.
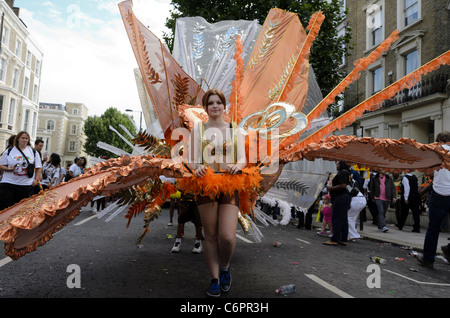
pixel 87 55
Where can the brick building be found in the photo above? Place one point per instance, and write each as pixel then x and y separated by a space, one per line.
pixel 424 33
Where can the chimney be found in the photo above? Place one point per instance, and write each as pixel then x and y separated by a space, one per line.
pixel 15 9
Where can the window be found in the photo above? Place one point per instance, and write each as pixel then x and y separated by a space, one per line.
pixel 72 144
pixel 411 11
pixel 375 25
pixel 26 85
pixel 73 129
pixel 341 33
pixel 408 12
pixel 75 111
pixel 12 110
pixel 5 40
pixel 15 79
pixel 33 129
pixel 35 93
pixel 38 67
pixel 2 69
pixel 26 119
pixel 47 142
pixel 377 80
pixel 411 62
pixel 28 60
pixel 50 125
pixel 19 48
pixel 372 132
pixel 1 108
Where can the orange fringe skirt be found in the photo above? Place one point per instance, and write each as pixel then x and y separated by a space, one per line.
pixel 247 184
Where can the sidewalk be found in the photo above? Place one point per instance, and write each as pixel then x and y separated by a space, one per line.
pixel 404 238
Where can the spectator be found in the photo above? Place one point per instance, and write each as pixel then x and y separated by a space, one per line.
pixel 51 171
pixel 340 201
pixel 409 200
pixel 38 145
pixel 357 204
pixel 82 164
pixel 188 211
pixel 439 208
pixel 382 192
pixel 75 170
pixel 371 203
pixel 10 145
pixel 327 213
pixel 16 184
pixel 397 178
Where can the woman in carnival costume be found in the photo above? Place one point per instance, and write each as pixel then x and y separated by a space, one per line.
pixel 217 148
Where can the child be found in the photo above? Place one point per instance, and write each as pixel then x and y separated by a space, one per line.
pixel 326 212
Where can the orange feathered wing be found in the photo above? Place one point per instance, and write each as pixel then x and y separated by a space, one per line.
pixel 32 222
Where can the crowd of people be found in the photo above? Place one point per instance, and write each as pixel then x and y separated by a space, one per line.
pixel 25 171
pixel 377 193
pixel 340 207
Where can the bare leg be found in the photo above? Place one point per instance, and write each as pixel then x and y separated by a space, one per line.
pixel 209 215
pixel 228 219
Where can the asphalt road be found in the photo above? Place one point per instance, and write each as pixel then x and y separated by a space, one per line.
pixel 91 258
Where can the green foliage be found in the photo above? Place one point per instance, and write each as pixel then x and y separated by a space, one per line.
pixel 327 51
pixel 97 129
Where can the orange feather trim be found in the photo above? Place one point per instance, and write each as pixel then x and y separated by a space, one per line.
pixel 212 185
pixel 372 103
pixel 360 65
pixel 236 99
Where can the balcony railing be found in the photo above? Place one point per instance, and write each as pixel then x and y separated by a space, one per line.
pixel 426 87
pixel 430 85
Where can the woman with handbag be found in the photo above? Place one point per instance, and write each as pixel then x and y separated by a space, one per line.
pixel 22 169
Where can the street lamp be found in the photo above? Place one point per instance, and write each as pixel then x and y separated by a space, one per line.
pixel 140 120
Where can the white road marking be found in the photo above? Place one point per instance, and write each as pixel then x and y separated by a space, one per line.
pixel 303 241
pixel 328 286
pixel 244 239
pixel 5 261
pixel 416 281
pixel 85 220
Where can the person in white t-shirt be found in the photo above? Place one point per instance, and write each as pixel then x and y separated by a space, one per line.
pixel 15 184
pixel 75 169
pixel 439 208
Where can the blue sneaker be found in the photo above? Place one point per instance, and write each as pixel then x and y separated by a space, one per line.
pixel 225 281
pixel 214 289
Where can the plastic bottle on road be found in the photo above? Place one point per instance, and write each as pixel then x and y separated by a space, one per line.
pixel 286 290
pixel 379 260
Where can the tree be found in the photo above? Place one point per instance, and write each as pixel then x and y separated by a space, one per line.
pixel 97 129
pixel 328 49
